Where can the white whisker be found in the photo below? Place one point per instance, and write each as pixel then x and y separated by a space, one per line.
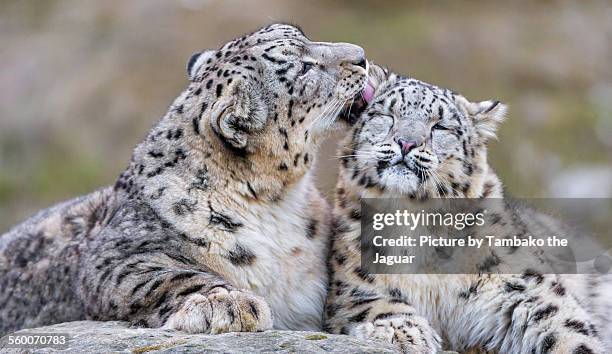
pixel 328 108
pixel 447 184
pixel 325 108
pixel 355 155
pixel 332 118
pixel 437 184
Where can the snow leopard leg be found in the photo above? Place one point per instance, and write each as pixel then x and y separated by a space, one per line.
pixel 528 313
pixel 368 314
pixel 151 281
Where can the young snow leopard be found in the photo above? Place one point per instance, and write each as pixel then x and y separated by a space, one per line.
pixel 216 224
pixel 410 131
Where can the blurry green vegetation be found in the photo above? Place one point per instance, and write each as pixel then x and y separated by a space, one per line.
pixel 82 81
pixel 61 170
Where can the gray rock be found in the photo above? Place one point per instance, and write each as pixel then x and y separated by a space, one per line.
pixel 105 337
pixel 119 337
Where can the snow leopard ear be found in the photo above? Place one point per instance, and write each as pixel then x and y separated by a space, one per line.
pixel 240 112
pixel 485 115
pixel 197 60
pixel 377 75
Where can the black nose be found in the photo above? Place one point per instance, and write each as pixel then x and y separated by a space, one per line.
pixel 406 145
pixel 362 62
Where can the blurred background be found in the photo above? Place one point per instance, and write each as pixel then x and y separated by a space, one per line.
pixel 82 81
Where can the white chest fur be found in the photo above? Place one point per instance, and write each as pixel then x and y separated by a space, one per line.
pixel 289 270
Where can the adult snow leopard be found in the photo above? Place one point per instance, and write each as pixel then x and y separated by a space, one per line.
pixel 216 224
pixel 417 141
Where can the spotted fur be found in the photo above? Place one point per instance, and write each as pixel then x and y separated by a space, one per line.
pixel 419 141
pixel 216 225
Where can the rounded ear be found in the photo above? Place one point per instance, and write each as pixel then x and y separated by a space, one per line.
pixel 486 115
pixel 377 75
pixel 238 113
pixel 197 60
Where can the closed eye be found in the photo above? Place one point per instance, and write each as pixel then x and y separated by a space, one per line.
pixel 439 126
pixel 381 115
pixel 306 66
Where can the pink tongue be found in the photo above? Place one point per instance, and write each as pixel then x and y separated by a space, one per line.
pixel 368 93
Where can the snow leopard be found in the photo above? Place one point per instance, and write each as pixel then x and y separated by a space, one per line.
pixel 416 141
pixel 216 224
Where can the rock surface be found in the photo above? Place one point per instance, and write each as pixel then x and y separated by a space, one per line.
pixel 105 337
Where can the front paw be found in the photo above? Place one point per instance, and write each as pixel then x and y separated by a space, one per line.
pixel 222 311
pixel 412 334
